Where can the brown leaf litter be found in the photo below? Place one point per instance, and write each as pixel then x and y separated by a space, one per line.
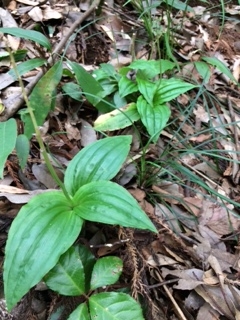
pixel 191 269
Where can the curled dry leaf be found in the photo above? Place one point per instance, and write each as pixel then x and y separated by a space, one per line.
pixel 222 219
pixel 188 279
pixel 220 299
pixel 160 260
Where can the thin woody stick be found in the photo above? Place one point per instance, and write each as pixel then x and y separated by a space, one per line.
pixel 18 101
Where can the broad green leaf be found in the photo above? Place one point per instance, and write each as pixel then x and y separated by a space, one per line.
pixel 170 89
pixel 108 69
pixel 220 66
pixel 26 66
pixel 72 90
pixel 108 78
pixel 42 231
pixel 180 5
pixel 127 86
pixel 204 70
pixel 80 313
pixel 8 136
pixel 22 149
pixel 35 36
pixel 117 119
pixel 87 82
pixel 154 118
pixel 67 277
pixel 18 55
pixel 106 271
pixel 106 72
pixel 42 97
pixel 119 102
pixel 90 87
pixel 151 68
pixel 107 202
pixel 4 55
pixel 114 305
pixel 147 88
pixel 125 70
pixel 100 160
pixel 88 261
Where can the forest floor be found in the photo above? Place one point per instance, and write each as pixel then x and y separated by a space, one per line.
pixel 187 183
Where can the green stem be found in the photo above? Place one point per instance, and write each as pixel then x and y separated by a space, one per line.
pixel 37 131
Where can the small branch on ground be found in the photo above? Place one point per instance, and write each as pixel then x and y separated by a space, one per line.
pixel 20 100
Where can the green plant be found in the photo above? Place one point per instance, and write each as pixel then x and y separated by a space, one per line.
pixel 147 94
pixel 50 223
pixel 137 92
pixel 56 218
pixel 41 237
pixel 77 273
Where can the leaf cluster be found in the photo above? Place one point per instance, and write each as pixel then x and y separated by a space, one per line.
pixel 41 239
pixel 49 224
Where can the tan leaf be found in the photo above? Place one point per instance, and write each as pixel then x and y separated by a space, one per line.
pixel 219 301
pixel 160 260
pixel 219 218
pixel 188 279
pixel 210 278
pixel 202 114
pixel 194 205
pixel 138 194
pixel 201 138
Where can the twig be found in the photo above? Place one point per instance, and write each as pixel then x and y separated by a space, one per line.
pixel 235 169
pixel 20 100
pixel 170 296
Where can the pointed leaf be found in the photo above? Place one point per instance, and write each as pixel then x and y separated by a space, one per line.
pixel 180 5
pixel 67 277
pixel 42 231
pixel 22 149
pixel 204 70
pixel 41 98
pixel 35 36
pixel 106 271
pixel 151 68
pixel 147 88
pixel 73 90
pixel 88 261
pixel 127 86
pixel 8 136
pixel 100 160
pixel 18 55
pixel 26 66
pixel 117 119
pixel 220 66
pixel 90 87
pixel 114 305
pixel 80 313
pixel 170 89
pixel 107 202
pixel 154 118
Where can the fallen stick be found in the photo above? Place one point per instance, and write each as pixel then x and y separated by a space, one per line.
pixel 18 101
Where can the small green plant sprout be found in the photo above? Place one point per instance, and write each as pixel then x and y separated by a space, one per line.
pixel 147 94
pixel 77 273
pixel 26 66
pixel 49 224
